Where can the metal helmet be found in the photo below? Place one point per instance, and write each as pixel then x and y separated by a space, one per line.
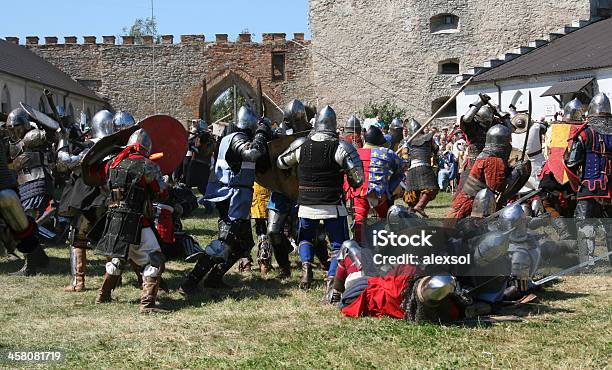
pixel 484 203
pixel 498 141
pixel 122 120
pixel 295 112
pixel 353 125
pixel 572 112
pixel 485 115
pixel 140 137
pixel 102 124
pixel 326 120
pixel 351 249
pixel 514 219
pixel 401 218
pixel 397 130
pixel 375 136
pixel 431 290
pixel 414 126
pixel 396 123
pixel 18 124
pixel 247 120
pixel 600 106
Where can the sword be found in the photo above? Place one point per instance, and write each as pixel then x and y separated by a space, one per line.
pixel 528 128
pixel 519 201
pixel 45 233
pixel 570 270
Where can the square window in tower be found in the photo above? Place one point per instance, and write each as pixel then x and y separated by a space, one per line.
pixel 278 66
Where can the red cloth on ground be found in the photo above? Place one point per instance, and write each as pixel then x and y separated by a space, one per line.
pixel 384 295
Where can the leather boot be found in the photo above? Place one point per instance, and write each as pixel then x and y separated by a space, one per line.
pixel 34 261
pixel 306 280
pixel 109 283
pixel 78 260
pixel 148 297
pixel 202 267
pixel 422 203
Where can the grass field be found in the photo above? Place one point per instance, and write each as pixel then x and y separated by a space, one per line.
pixel 263 323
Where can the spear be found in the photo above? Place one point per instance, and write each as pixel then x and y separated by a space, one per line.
pixel 437 113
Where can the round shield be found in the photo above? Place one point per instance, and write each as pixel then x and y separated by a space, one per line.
pixel 520 123
pixel 40 117
pixel 169 138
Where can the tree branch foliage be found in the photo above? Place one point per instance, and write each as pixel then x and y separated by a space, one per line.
pixel 387 109
pixel 142 27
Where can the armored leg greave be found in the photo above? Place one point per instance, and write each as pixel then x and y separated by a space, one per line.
pixel 264 254
pixel 562 228
pixel 214 279
pixel 78 263
pixel 585 242
pixel 202 267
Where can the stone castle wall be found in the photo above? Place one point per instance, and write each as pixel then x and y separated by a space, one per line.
pixel 390 43
pixel 123 74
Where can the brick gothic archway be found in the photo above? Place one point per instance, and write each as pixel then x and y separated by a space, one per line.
pixel 247 86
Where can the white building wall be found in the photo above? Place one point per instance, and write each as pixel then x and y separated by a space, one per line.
pixel 516 91
pixel 22 90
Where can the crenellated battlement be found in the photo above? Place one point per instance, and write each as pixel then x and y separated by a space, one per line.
pixel 220 38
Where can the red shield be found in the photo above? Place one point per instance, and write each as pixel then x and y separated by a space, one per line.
pixel 169 138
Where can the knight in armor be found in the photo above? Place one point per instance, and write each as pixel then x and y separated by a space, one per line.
pixel 355 266
pixel 590 161
pixel 86 203
pixel 491 171
pixel 259 214
pixel 322 160
pixel 30 156
pixel 421 184
pixel 504 261
pixel 475 124
pixel 196 167
pixel 135 182
pixel 281 209
pixel 19 230
pixel 383 175
pixel 351 132
pixel 396 130
pixel 558 199
pixel 232 194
